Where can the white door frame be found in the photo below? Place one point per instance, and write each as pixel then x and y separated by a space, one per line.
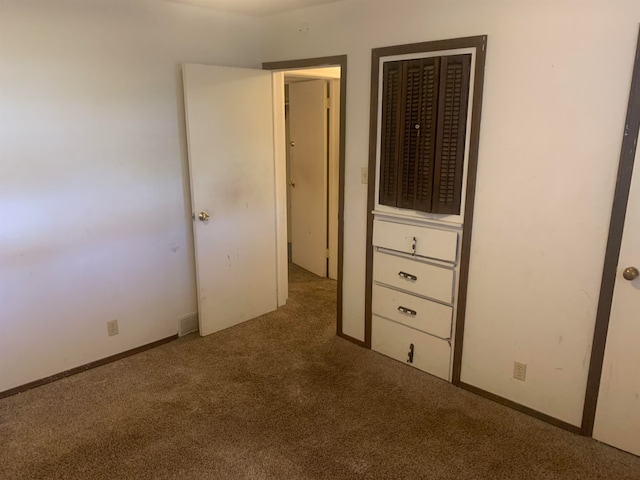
pixel 279 132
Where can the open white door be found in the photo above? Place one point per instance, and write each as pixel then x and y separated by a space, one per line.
pixel 617 419
pixel 230 135
pixel 308 134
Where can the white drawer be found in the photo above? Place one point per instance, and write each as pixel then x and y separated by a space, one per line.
pixel 429 242
pixel 430 354
pixel 414 276
pixel 430 317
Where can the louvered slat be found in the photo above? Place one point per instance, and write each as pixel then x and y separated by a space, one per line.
pixel 450 137
pixel 427 134
pixel 409 145
pixel 392 73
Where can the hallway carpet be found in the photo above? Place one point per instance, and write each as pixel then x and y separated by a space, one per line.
pixel 281 397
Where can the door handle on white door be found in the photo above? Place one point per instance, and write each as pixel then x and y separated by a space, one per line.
pixel 203 216
pixel 630 273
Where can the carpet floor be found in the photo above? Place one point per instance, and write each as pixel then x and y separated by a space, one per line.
pixel 281 397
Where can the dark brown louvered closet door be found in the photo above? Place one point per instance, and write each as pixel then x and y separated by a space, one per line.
pixel 417 148
pixel 424 112
pixel 452 122
pixel 391 123
pixel 425 162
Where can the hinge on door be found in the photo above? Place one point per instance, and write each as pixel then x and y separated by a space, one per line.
pixel 326 253
pixel 327 102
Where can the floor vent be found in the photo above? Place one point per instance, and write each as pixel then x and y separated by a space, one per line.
pixel 188 324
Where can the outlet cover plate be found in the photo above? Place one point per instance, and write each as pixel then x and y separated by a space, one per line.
pixel 112 328
pixel 520 371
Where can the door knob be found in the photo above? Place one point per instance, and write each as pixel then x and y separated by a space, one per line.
pixel 630 273
pixel 292 183
pixel 203 216
pixel 292 143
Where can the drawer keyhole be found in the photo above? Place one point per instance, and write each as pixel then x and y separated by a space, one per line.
pixel 408 276
pixel 410 359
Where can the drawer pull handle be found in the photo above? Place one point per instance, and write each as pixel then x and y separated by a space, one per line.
pixel 414 246
pixel 408 276
pixel 408 311
pixel 410 359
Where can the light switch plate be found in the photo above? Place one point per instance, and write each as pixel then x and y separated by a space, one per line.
pixel 364 175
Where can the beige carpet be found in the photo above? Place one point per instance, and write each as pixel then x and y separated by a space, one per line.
pixel 281 397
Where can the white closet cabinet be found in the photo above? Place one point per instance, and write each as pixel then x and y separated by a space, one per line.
pixel 413 293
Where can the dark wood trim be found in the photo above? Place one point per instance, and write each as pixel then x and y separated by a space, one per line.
pixel 341 174
pixel 371 193
pixel 433 46
pixel 465 249
pixel 351 339
pixel 341 61
pixel 85 367
pixel 317 62
pixel 521 408
pixel 616 227
pixel 480 44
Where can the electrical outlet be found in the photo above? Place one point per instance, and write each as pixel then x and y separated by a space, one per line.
pixel 364 175
pixel 303 29
pixel 112 328
pixel 519 371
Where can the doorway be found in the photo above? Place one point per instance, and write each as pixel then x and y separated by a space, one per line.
pixel 330 74
pixel 312 118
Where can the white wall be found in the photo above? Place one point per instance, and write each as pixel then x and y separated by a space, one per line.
pixel 556 86
pixel 94 201
pixel 94 210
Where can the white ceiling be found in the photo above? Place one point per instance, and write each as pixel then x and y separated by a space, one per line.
pixel 257 8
